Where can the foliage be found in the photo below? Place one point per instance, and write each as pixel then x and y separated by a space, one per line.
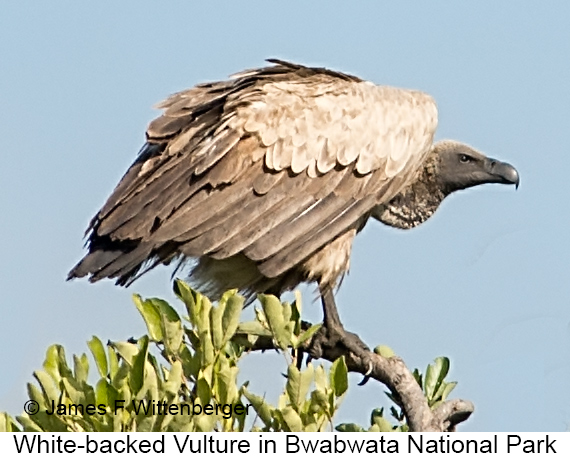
pixel 182 376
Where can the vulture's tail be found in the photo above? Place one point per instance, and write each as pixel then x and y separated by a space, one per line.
pixel 114 260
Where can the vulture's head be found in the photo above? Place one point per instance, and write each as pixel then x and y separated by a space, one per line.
pixel 460 166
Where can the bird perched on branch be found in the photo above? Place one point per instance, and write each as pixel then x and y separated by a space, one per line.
pixel 264 180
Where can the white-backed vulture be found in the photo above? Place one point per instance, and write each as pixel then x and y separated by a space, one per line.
pixel 264 180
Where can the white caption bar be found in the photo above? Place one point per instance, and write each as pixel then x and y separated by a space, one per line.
pixel 297 444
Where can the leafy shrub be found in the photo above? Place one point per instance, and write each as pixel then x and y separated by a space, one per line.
pixel 182 376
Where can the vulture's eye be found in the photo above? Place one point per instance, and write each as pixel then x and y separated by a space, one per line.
pixel 464 158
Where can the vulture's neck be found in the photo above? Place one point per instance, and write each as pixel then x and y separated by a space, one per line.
pixel 417 202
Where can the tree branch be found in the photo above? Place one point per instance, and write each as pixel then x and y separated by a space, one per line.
pixel 393 373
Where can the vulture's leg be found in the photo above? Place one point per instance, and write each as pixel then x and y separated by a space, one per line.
pixel 331 317
pixel 333 332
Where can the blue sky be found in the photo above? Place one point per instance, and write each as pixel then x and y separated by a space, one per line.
pixel 485 281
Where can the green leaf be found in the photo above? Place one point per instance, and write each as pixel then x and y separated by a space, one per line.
pixel 349 428
pixel 105 393
pixel 64 369
pixel 296 312
pixel 204 391
pixel 171 325
pixel 189 298
pixel 223 382
pixel 292 419
pixel 449 386
pixel 321 379
pixel 307 334
pixel 253 328
pixel 7 424
pixel 311 427
pixel 319 401
pixel 190 362
pixel 151 316
pixel 204 316
pixel 443 364
pixel 262 409
pixel 273 310
pixel 50 391
pixel 113 362
pixel 127 351
pixel 81 367
pixel 51 362
pixel 418 377
pixel 35 394
pixel 435 374
pixel 260 316
pixel 149 388
pixel 28 424
pixel 384 351
pixel 377 418
pixel 216 325
pixel 98 351
pixel 339 377
pixel 73 391
pixel 206 349
pixel 293 386
pixel 286 312
pixel 136 378
pixel 430 381
pixel 175 378
pixel 205 423
pixel 183 291
pixel 231 316
pixel 306 380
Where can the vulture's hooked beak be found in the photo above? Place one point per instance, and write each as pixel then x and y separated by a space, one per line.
pixel 503 173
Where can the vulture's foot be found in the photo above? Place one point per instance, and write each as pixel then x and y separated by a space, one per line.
pixel 336 338
pixel 332 336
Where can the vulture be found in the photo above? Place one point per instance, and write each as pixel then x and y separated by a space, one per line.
pixel 261 182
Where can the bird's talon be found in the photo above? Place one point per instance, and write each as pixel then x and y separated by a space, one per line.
pixel 366 377
pixel 369 371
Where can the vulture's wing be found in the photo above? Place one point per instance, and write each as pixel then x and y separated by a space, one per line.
pixel 274 163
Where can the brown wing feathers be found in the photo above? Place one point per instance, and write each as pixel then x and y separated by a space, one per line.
pixel 269 225
pixel 218 176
